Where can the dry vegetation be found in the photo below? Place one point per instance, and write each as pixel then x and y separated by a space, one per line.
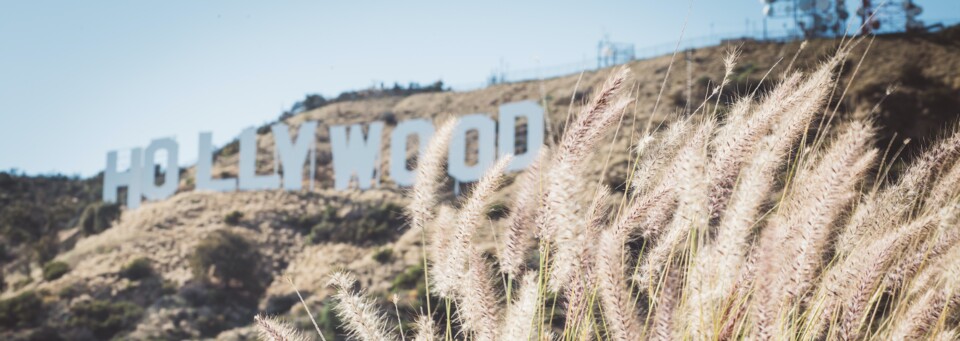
pixel 810 195
pixel 769 220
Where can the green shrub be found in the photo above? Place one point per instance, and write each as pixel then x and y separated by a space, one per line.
pixel 412 278
pixel 137 269
pixel 168 287
pixel 22 311
pixel 328 320
pixel 219 308
pixel 21 222
pixel 22 283
pixel 104 318
pixel 498 210
pixel 98 216
pixel 44 333
pixel 230 149
pixel 281 304
pixel 4 255
pixel 46 248
pixel 232 257
pixel 742 72
pixel 72 291
pixel 383 255
pixel 305 223
pixel 367 226
pixel 55 270
pixel 233 218
pixel 210 325
pixel 32 207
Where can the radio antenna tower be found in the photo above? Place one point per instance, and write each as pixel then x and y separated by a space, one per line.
pixel 811 18
pixel 890 16
pixel 828 18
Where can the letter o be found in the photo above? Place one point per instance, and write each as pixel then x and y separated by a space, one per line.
pixel 171 178
pixel 486 147
pixel 398 148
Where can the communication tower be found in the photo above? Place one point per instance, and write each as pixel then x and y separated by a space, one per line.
pixel 828 18
pixel 812 18
pixel 889 16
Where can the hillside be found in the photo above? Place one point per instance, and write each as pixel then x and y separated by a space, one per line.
pixel 200 265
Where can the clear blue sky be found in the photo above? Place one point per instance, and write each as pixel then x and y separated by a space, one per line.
pixel 80 78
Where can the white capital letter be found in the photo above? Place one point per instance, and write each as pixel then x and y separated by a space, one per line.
pixel 358 155
pixel 293 154
pixel 508 132
pixel 171 179
pixel 249 180
pixel 205 180
pixel 114 179
pixel 423 128
pixel 486 149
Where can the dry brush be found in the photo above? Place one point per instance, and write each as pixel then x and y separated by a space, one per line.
pixel 772 222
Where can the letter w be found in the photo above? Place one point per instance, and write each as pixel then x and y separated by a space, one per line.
pixel 355 155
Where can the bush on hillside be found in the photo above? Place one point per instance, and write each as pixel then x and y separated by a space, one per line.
pixel 328 321
pixel 137 269
pixel 73 290
pixel 32 207
pixel 219 308
pixel 367 226
pixel 55 270
pixel 226 259
pixel 46 248
pixel 21 222
pixel 22 311
pixel 229 149
pixel 498 210
pixel 104 319
pixel 210 325
pixel 411 278
pixel 98 216
pixel 233 218
pixel 281 304
pixel 383 255
pixel 22 283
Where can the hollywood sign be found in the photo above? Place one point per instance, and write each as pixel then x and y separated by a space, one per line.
pixel 354 156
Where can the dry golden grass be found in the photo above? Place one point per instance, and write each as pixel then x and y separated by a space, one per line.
pixel 766 222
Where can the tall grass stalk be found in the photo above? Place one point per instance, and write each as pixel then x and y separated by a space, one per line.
pixel 766 223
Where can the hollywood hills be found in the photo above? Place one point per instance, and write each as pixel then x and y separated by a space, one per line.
pixel 200 265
